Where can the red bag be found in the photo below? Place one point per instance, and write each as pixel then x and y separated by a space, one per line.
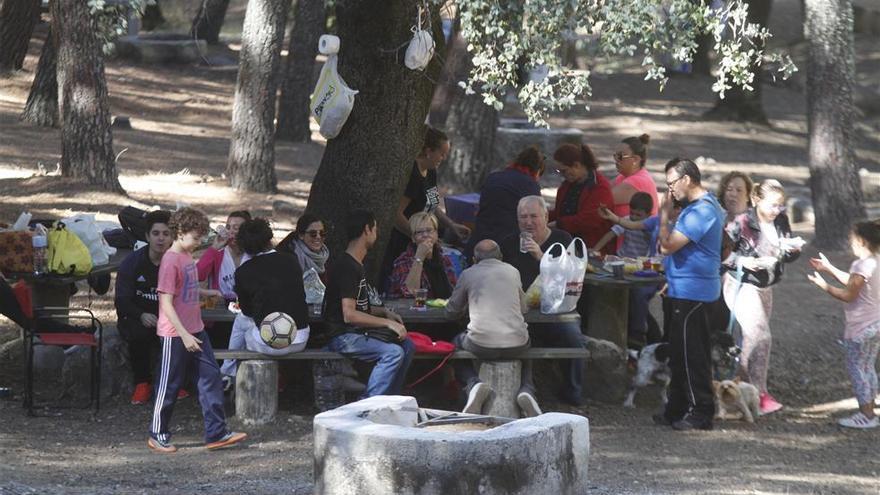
pixel 23 296
pixel 425 345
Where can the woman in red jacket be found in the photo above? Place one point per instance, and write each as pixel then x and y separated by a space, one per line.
pixel 579 197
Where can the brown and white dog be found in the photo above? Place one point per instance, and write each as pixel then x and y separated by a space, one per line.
pixel 735 399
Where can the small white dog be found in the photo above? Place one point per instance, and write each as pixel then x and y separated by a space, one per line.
pixel 652 367
pixel 736 400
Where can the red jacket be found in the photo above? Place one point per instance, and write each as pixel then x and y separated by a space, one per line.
pixel 586 223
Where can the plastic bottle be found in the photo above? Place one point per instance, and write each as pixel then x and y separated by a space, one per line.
pixel 40 244
pixel 329 393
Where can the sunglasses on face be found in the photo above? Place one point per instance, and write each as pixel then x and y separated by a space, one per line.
pixel 620 156
pixel 314 234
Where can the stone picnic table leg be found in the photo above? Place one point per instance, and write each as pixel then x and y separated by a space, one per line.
pixel 607 313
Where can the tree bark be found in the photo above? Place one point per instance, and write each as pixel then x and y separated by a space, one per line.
pixel 834 180
pixel 86 140
pixel 209 20
pixel 296 88
pixel 41 108
pixel 367 164
pixel 738 104
pixel 152 17
pixel 17 21
pixel 251 163
pixel 471 125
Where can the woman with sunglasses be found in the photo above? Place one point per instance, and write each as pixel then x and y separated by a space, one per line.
pixel 756 264
pixel 630 157
pixel 579 197
pixel 307 243
pixel 423 265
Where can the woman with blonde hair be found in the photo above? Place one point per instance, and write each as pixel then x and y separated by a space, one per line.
pixel 423 265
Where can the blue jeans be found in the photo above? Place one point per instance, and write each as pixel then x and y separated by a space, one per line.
pixel 563 335
pixel 392 360
pixel 637 319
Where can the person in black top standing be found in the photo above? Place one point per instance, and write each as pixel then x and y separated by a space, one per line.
pixel 350 319
pixel 421 194
pixel 532 218
pixel 137 302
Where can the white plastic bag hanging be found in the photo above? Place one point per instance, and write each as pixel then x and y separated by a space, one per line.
pixel 332 99
pixel 421 47
pixel 313 286
pixel 85 227
pixel 577 267
pixel 554 279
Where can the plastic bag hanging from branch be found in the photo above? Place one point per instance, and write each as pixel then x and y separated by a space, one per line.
pixel 332 99
pixel 421 47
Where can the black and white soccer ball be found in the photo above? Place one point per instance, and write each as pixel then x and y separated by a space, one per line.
pixel 278 330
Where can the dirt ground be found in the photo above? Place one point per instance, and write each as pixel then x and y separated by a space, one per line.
pixel 177 152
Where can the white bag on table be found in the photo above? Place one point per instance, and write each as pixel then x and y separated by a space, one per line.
pixel 555 267
pixel 578 267
pixel 85 227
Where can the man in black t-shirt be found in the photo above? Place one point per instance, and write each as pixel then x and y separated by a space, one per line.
pixel 532 218
pixel 350 319
pixel 137 302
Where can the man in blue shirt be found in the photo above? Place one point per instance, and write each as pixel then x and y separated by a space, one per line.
pixel 693 264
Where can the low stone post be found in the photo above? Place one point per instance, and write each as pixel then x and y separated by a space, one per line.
pixel 504 378
pixel 256 391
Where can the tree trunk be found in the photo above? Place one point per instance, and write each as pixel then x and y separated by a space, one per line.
pixel 738 104
pixel 209 20
pixel 702 64
pixel 367 165
pixel 471 125
pixel 251 164
pixel 834 180
pixel 86 141
pixel 17 21
pixel 41 108
pixel 296 88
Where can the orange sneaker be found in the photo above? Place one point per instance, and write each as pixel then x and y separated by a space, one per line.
pixel 229 439
pixel 161 447
pixel 141 394
pixel 182 394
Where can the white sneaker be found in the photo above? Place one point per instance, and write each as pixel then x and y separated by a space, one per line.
pixel 476 397
pixel 859 421
pixel 528 404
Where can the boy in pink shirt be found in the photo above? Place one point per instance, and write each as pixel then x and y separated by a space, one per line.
pixel 185 345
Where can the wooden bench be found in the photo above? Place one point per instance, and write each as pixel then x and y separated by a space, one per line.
pixel 256 396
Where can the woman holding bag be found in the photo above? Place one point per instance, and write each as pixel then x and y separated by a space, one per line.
pixel 524 251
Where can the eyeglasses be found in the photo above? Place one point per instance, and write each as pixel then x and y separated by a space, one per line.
pixel 776 208
pixel 671 184
pixel 620 156
pixel 422 232
pixel 316 233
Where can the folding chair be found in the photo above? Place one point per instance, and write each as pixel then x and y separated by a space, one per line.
pixel 54 326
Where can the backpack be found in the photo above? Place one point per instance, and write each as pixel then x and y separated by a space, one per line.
pixel 134 222
pixel 67 255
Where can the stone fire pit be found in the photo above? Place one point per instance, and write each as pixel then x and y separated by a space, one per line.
pixel 388 445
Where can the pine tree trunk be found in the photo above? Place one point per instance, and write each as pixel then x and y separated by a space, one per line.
pixel 251 164
pixel 738 104
pixel 152 17
pixel 834 180
pixel 367 164
pixel 86 141
pixel 296 88
pixel 471 125
pixel 17 21
pixel 41 108
pixel 208 21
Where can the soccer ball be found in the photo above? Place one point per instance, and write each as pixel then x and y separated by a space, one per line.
pixel 278 330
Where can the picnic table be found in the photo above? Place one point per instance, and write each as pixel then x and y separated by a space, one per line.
pixel 256 381
pixel 608 304
pixel 53 290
